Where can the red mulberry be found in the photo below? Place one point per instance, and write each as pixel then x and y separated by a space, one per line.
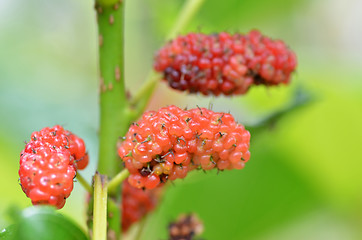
pixel 136 203
pixel 49 163
pixel 171 142
pixel 224 63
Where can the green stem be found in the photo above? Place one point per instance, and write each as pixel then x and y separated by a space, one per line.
pixel 84 183
pixel 100 207
pixel 107 3
pixel 142 97
pixel 114 106
pixel 113 101
pixel 115 114
pixel 117 180
pixel 189 10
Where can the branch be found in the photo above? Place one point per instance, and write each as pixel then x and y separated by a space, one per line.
pixel 117 180
pixel 142 97
pixel 100 207
pixel 113 101
pixel 84 183
pixel 114 106
pixel 189 10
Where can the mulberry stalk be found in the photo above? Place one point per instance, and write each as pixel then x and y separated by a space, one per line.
pixel 224 63
pixel 49 163
pixel 167 144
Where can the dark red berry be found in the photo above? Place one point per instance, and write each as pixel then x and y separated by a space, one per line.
pixel 224 63
pixel 186 227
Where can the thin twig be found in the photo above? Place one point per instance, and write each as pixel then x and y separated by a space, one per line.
pixel 84 183
pixel 117 180
pixel 142 97
pixel 100 207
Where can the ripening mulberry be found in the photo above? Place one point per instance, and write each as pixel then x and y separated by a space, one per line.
pixel 169 143
pixel 136 203
pixel 186 227
pixel 49 163
pixel 224 63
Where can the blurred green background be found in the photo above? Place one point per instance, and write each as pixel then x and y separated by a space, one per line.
pixel 304 179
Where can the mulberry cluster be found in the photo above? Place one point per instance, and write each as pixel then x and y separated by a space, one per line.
pixel 136 203
pixel 187 227
pixel 49 163
pixel 224 63
pixel 167 144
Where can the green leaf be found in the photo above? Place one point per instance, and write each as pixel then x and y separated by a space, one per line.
pixel 7 233
pixel 300 99
pixel 43 223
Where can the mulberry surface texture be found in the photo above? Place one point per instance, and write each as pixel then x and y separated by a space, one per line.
pixel 167 144
pixel 224 63
pixel 49 163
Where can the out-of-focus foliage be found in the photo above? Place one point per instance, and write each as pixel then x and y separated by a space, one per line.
pixel 304 179
pixel 42 223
